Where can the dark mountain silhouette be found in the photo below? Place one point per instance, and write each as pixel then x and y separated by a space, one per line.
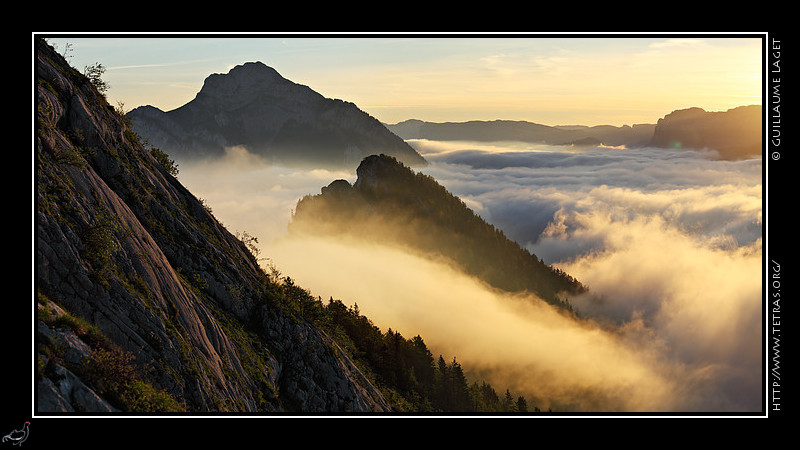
pixel 391 204
pixel 286 123
pixel 735 133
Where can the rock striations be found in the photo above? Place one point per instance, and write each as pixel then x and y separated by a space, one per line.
pixel 286 123
pixel 146 302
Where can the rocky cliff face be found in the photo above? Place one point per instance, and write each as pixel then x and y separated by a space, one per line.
pixel 287 123
pixel 142 294
pixel 736 133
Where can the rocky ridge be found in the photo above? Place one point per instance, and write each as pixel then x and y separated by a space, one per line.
pixel 137 281
pixel 392 205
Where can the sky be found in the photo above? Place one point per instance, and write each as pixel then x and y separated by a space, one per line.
pixel 550 79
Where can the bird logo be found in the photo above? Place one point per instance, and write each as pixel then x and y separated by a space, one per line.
pixel 17 437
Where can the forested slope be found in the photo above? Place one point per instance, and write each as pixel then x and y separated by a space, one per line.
pixel 391 204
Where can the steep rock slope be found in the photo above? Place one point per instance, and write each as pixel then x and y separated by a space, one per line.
pixel 287 123
pixel 391 204
pixel 735 133
pixel 137 282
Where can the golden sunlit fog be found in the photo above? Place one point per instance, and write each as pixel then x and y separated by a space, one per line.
pixel 671 255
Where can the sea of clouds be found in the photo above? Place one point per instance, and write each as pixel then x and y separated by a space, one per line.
pixel 669 243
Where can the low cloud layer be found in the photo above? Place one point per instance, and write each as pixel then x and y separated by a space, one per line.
pixel 668 242
pixel 522 191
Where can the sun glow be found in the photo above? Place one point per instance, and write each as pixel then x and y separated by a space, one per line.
pixel 635 79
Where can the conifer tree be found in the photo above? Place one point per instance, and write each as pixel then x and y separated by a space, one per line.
pixel 508 402
pixel 460 391
pixel 522 405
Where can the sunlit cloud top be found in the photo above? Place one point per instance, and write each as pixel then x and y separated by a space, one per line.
pixel 550 80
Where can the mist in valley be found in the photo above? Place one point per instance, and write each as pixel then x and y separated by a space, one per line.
pixel 667 241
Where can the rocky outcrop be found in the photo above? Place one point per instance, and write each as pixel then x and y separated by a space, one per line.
pixel 287 123
pixel 179 302
pixel 734 134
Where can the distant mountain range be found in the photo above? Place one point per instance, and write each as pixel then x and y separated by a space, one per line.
pixel 522 131
pixel 286 123
pixel 734 134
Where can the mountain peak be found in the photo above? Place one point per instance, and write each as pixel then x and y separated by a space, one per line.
pixel 244 82
pixel 249 73
pixel 287 123
pixel 253 68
